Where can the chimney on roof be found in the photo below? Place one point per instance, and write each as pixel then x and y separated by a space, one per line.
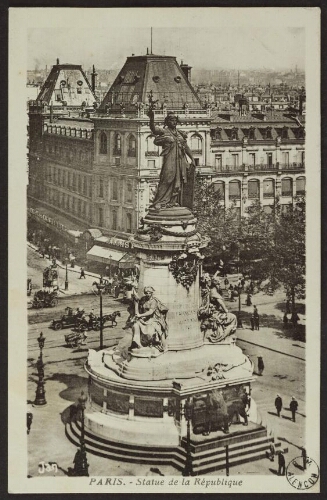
pixel 94 79
pixel 57 60
pixel 186 70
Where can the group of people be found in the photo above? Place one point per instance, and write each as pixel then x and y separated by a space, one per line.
pixel 255 319
pixel 293 406
pixel 294 318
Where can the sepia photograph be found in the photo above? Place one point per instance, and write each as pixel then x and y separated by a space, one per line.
pixel 164 173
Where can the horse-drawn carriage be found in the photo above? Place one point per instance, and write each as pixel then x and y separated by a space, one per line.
pixel 50 276
pixel 45 298
pixel 94 322
pixel 76 339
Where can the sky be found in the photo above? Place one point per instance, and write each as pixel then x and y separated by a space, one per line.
pixel 224 47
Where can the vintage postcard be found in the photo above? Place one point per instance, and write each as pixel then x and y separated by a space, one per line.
pixel 164 183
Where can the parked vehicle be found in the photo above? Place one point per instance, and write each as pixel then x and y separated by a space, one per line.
pixel 44 298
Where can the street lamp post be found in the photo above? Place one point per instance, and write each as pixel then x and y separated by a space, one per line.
pixel 110 257
pixel 239 320
pixel 40 392
pixel 100 287
pixel 81 466
pixel 188 413
pixel 66 277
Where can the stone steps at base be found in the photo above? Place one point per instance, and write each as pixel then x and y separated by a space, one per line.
pixel 203 462
pixel 173 457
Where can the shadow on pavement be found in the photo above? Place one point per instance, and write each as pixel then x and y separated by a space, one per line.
pixel 289 442
pixel 75 384
pixel 299 307
pixel 271 321
pixel 273 471
pixel 286 418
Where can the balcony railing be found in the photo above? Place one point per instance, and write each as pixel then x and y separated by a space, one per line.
pixel 291 166
pixel 197 151
pixel 235 196
pixel 131 152
pixel 300 193
pixel 261 167
pixel 253 196
pixel 116 152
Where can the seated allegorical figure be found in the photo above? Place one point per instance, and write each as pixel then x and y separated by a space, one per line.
pixel 216 322
pixel 149 324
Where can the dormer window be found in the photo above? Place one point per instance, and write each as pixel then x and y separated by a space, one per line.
pixel 216 134
pixel 285 133
pixel 234 134
pixel 268 133
pixel 301 133
pixel 251 133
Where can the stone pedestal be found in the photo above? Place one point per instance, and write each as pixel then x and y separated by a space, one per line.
pixel 169 245
pixel 138 396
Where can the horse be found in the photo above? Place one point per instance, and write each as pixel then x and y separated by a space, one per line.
pixel 111 317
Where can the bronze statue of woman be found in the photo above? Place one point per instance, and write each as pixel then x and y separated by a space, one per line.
pixel 176 180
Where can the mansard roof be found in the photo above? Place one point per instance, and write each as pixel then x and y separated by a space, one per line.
pixel 160 76
pixel 67 84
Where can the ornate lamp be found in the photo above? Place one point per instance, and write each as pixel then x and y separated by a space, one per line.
pixel 40 392
pixel 81 466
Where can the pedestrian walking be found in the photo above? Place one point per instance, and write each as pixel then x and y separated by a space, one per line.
pixel 304 458
pixel 252 322
pixel 29 421
pixel 281 464
pixel 248 299
pixel 256 318
pixel 261 365
pixel 293 407
pixel 285 320
pixel 278 404
pixel 272 452
pixel 82 275
pixel 226 282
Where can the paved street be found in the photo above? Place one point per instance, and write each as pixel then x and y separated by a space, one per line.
pixel 65 378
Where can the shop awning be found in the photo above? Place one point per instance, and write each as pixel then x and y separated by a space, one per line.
pixel 105 255
pixel 127 262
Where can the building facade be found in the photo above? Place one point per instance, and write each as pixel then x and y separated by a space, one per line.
pixel 95 166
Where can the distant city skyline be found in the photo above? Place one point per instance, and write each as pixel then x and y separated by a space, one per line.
pixel 223 48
